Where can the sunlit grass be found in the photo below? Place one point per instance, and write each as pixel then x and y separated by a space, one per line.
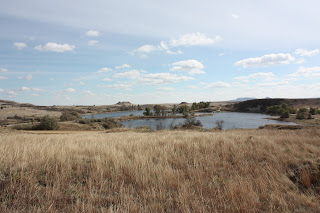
pixel 165 171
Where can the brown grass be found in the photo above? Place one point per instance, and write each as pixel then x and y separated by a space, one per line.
pixel 166 171
pixel 26 112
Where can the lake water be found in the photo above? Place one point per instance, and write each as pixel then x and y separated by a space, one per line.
pixel 232 120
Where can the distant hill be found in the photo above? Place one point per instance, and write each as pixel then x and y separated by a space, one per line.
pixel 260 105
pixel 243 99
pixel 124 103
pixel 13 103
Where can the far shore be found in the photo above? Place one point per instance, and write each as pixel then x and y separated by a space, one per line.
pixel 129 118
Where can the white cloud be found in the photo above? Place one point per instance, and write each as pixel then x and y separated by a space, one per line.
pixel 34 94
pixel 302 52
pixel 152 78
pixel 12 93
pixel 38 90
pixel 105 69
pixel 3 78
pixel 300 61
pixel 266 60
pixel 25 89
pixel 88 93
pixel 93 33
pixel 307 72
pixel 54 47
pixel 235 16
pixel 117 86
pixel 107 79
pixel 69 90
pixel 274 83
pixel 3 70
pixel 122 66
pixel 163 78
pixel 221 54
pixel 193 39
pixel 193 87
pixel 190 66
pixel 132 74
pixel 19 45
pixel 93 42
pixel 166 89
pixel 263 75
pixel 143 50
pixel 29 77
pixel 218 84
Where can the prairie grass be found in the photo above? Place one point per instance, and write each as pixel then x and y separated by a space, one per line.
pixel 165 171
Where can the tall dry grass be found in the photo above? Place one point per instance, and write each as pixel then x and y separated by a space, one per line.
pixel 165 171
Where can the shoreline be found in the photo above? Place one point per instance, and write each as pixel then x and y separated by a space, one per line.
pixel 129 118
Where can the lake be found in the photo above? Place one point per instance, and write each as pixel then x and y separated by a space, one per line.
pixel 114 114
pixel 232 120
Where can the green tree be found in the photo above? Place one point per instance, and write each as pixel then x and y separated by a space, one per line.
pixel 48 123
pixel 194 106
pixel 174 110
pixel 313 111
pixel 157 110
pixel 69 116
pixel 285 114
pixel 302 113
pixel 147 112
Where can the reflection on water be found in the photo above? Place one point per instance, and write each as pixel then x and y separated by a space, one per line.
pixel 232 120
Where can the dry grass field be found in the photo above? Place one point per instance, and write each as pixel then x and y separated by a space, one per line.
pixel 26 112
pixel 165 171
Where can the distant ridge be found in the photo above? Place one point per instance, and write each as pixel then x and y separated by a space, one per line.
pixel 244 99
pixel 124 103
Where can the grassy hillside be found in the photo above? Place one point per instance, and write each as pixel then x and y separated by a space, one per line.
pixel 260 105
pixel 165 171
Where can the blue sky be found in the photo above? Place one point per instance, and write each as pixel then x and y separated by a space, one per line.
pixel 101 52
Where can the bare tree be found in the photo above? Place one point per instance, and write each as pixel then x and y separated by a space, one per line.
pixel 220 124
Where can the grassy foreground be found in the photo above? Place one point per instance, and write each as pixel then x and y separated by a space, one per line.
pixel 166 171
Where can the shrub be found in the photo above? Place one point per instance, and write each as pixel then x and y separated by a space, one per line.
pixel 313 111
pixel 219 124
pixel 69 116
pixel 285 114
pixel 85 121
pixel 302 113
pixel 191 122
pixel 147 112
pixel 160 126
pixel 292 110
pixel 110 124
pixel 47 123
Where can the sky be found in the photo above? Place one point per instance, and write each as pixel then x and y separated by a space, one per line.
pixel 101 52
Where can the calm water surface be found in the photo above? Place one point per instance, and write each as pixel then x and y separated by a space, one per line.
pixel 114 114
pixel 232 120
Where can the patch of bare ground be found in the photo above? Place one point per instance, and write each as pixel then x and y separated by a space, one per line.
pixel 166 171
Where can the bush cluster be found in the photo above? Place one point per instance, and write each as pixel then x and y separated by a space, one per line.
pixel 283 110
pixel 191 122
pixel 69 116
pixel 303 114
pixel 107 123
